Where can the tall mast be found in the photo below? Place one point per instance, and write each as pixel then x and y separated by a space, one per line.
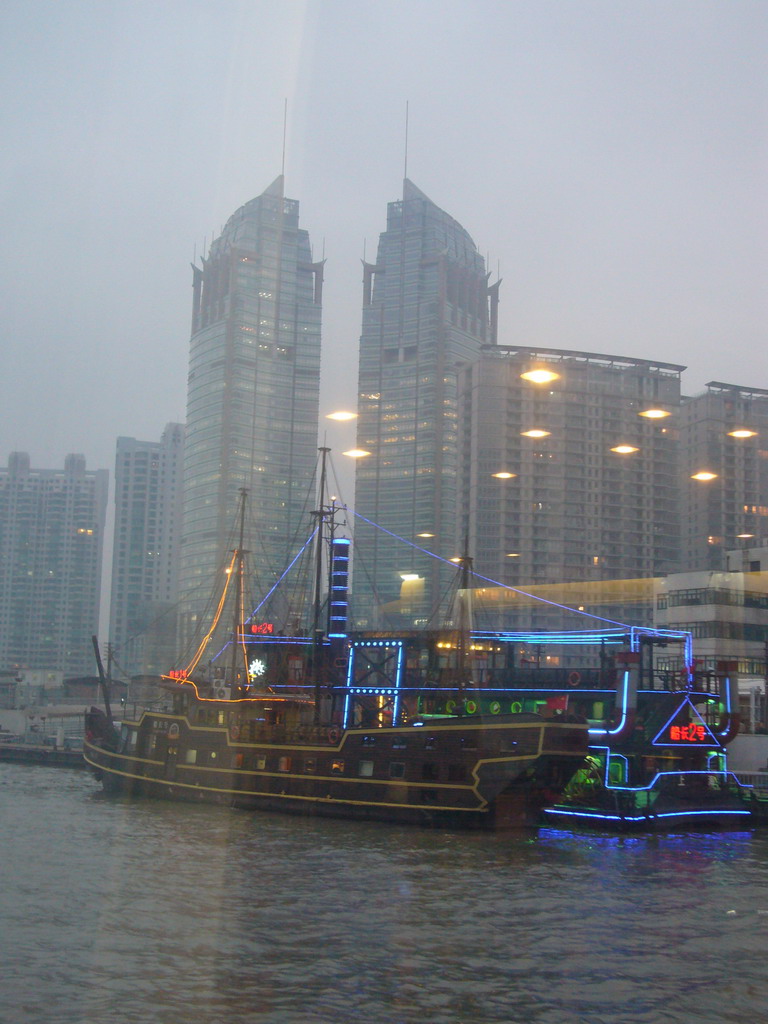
pixel 465 615
pixel 237 615
pixel 319 542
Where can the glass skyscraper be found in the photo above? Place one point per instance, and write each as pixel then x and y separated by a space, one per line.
pixel 252 399
pixel 148 503
pixel 427 308
pixel 51 540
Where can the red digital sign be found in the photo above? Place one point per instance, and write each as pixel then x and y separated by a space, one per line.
pixel 177 673
pixel 687 734
pixel 262 628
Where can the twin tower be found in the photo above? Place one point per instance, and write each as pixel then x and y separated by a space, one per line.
pixel 254 391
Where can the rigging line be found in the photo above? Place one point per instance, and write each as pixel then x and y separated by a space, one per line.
pixel 285 573
pixel 487 579
pixel 201 649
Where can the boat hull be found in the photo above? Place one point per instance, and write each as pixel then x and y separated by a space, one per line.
pixel 486 775
pixel 689 803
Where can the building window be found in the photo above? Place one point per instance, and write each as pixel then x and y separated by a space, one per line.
pixel 397 769
pixel 365 769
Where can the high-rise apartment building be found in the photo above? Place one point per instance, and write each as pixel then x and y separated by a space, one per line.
pixel 724 486
pixel 145 557
pixel 569 471
pixel 427 308
pixel 252 398
pixel 51 539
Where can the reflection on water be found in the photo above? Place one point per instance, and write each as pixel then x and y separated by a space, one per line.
pixel 140 912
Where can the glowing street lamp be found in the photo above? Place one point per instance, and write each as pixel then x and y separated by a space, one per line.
pixel 341 416
pixel 356 453
pixel 654 414
pixel 742 432
pixel 704 476
pixel 504 475
pixel 540 375
pixel 535 433
pixel 625 449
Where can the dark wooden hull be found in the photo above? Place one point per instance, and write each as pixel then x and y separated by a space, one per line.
pixel 484 774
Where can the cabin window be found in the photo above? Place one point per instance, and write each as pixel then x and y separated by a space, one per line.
pixel 429 770
pixel 456 772
pixel 337 767
pixel 369 741
pixel 397 769
pixel 152 744
pixel 260 762
pixel 284 764
pixel 221 718
pixel 469 742
pixel 428 796
pixel 399 743
pixel 213 755
pixel 191 757
pixel 238 760
pixel 309 764
pixel 430 743
pixel 365 768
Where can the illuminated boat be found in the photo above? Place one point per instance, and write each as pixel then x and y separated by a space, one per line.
pixel 366 726
pixel 660 763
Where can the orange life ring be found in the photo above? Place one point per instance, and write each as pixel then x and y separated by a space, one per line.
pixel 471 707
pixel 574 678
pixel 333 735
pixel 234 732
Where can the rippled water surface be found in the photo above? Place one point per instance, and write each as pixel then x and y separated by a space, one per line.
pixel 154 912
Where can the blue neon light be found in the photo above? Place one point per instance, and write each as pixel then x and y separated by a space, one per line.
pixel 623 720
pixel 707 741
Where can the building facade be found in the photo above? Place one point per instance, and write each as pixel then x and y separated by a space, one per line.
pixel 51 543
pixel 427 308
pixel 724 443
pixel 569 472
pixel 145 557
pixel 252 399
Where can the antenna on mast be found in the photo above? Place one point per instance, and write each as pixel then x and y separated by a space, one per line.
pixel 285 124
pixel 405 160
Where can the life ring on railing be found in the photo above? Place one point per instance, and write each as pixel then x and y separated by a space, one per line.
pixel 333 735
pixel 495 707
pixel 574 678
pixel 173 731
pixel 471 707
pixel 234 732
pixel 450 706
pixel 515 707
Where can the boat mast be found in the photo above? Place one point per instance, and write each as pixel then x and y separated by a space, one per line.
pixel 319 541
pixel 464 616
pixel 237 616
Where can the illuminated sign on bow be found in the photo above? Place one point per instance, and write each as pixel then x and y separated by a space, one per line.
pixel 685 728
pixel 692 733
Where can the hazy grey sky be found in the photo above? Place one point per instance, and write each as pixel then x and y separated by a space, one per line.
pixel 608 156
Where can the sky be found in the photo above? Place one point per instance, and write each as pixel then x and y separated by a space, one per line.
pixel 607 157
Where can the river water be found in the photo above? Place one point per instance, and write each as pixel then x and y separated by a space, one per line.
pixel 116 911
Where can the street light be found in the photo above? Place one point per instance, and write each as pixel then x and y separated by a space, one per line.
pixel 540 375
